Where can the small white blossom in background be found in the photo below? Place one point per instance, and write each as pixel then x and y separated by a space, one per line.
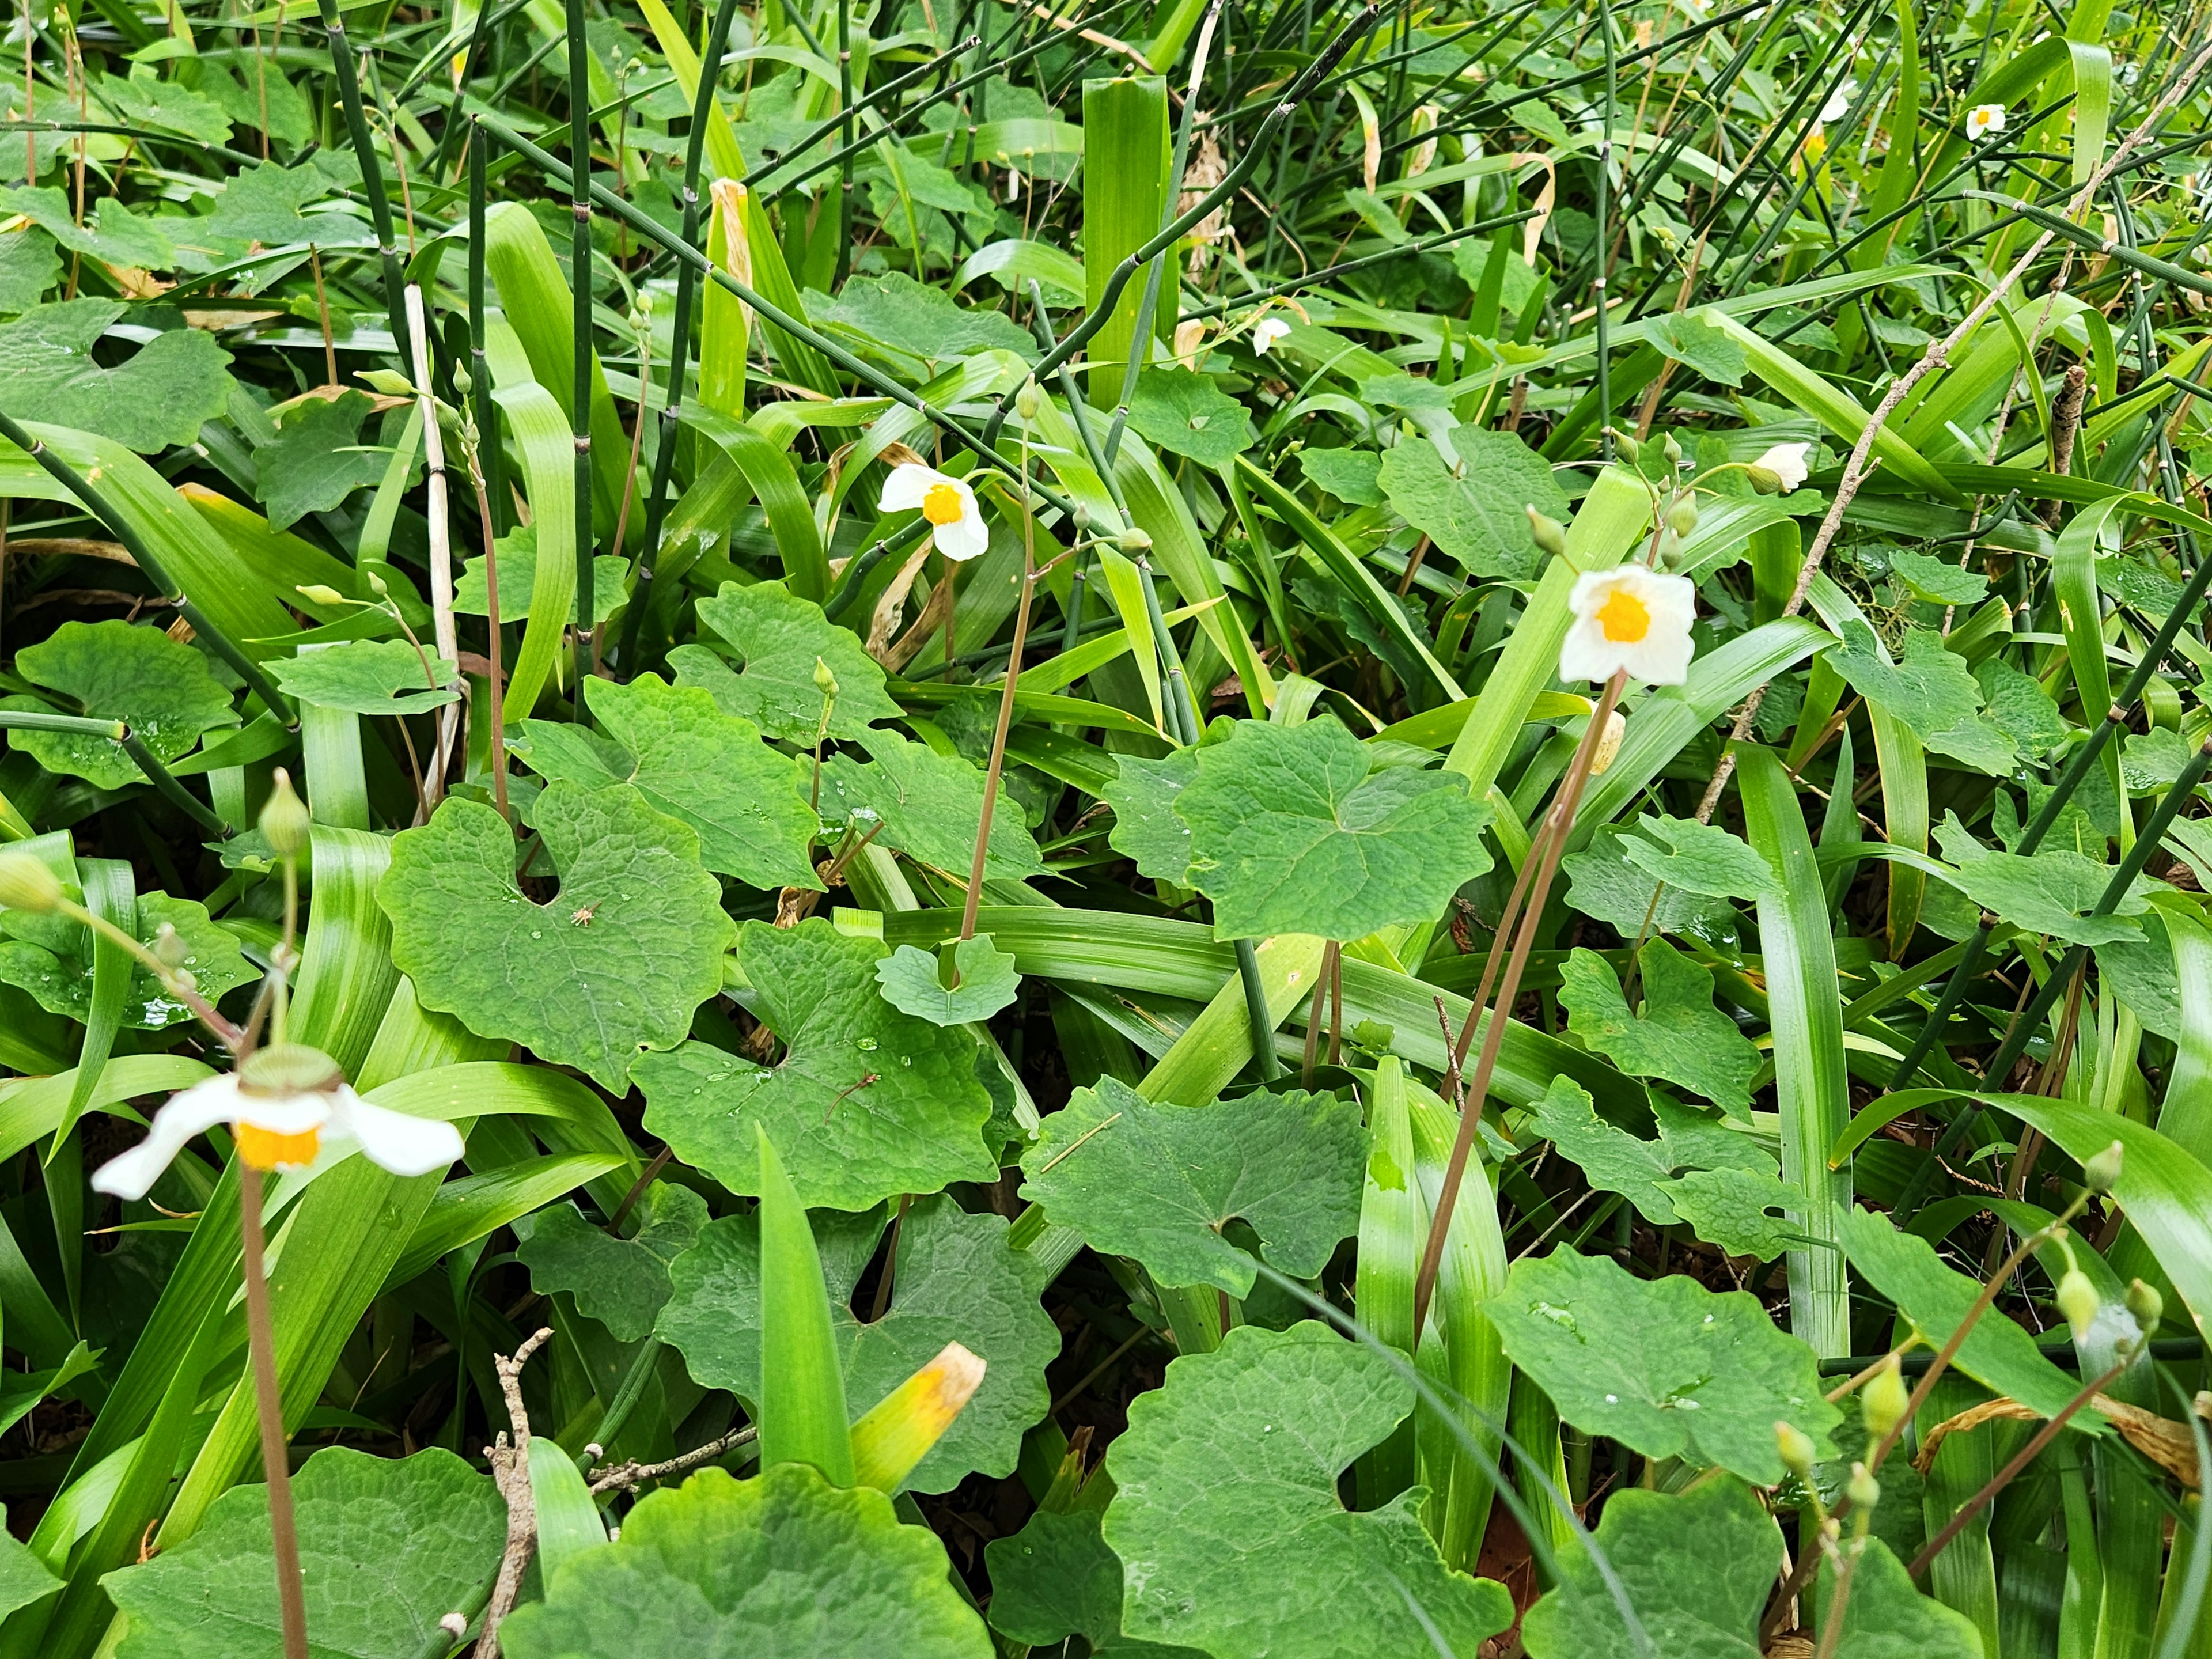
pixel 288 1108
pixel 1986 121
pixel 1780 469
pixel 947 502
pixel 1630 618
pixel 1267 332
pixel 1840 103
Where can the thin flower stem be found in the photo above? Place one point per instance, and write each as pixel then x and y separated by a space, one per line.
pixel 1005 710
pixel 1560 822
pixel 261 1343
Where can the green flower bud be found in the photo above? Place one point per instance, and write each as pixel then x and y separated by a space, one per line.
pixel 1672 452
pixel 824 681
pixel 26 884
pixel 1627 447
pixel 2077 1299
pixel 2102 1173
pixel 1027 402
pixel 1796 1448
pixel 2146 1305
pixel 1134 540
pixel 321 593
pixel 284 819
pixel 1682 517
pixel 1863 1490
pixel 377 585
pixel 391 383
pixel 463 382
pixel 1884 1400
pixel 1549 534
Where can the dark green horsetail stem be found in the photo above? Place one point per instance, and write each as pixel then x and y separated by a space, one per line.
pixel 580 281
pixel 98 505
pixel 1404 250
pixel 679 356
pixel 372 177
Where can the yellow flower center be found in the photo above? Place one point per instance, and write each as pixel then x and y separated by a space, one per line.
pixel 266 1149
pixel 942 506
pixel 1625 617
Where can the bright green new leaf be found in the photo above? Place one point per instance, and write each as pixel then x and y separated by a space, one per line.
pixel 1189 414
pixel 620 1282
pixel 918 320
pixel 1602 883
pixel 1294 829
pixel 866 1103
pixel 1932 692
pixel 1699 346
pixel 910 980
pixel 1353 476
pixel 316 460
pixel 930 804
pixel 1939 581
pixel 1678 1036
pixel 1162 1182
pixel 778 636
pixel 387 1548
pixel 369 676
pixel 693 762
pixel 782 1566
pixel 1146 828
pixel 160 396
pixel 1885 1617
pixel 1227 1519
pixel 49 956
pixel 1642 1171
pixel 1479 514
pixel 514 561
pixel 114 670
pixel 1697 857
pixel 613 964
pixel 1697 1567
pixel 1662 1366
pixel 957 1280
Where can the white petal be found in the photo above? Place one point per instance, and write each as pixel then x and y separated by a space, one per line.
pixel 196 1110
pixel 909 482
pixel 1586 654
pixel 968 537
pixel 406 1145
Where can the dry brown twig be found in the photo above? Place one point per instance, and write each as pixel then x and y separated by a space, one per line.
pixel 510 1473
pixel 634 1473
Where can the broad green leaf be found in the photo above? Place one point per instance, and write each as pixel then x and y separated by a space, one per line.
pixel 1939 581
pixel 1931 691
pixel 2020 706
pixel 1735 1210
pixel 49 956
pixel 1885 1618
pixel 930 804
pixel 1227 1519
pixel 262 204
pixel 2153 760
pixel 1699 346
pixel 866 1103
pixel 613 964
pixel 1678 1036
pixel 28 267
pixel 514 561
pixel 779 636
pixel 921 321
pixel 1146 828
pixel 1603 884
pixel 117 236
pixel 1642 1171
pixel 910 983
pixel 620 1282
pixel 165 105
pixel 1697 857
pixel 369 676
pixel 1295 830
pixel 1189 414
pixel 957 1280
pixel 160 396
pixel 24 1577
pixel 782 1566
pixel 113 670
pixel 1160 1182
pixel 318 459
pixel 1477 513
pixel 2048 892
pixel 1055 1578
pixel 693 762
pixel 1997 1352
pixel 1353 476
pixel 387 1548
pixel 1661 1365
pixel 1697 1566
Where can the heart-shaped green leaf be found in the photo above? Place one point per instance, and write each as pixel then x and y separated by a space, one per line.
pixel 620 1282
pixel 113 670
pixel 49 956
pixel 910 983
pixel 779 636
pixel 1479 514
pixel 1677 1035
pixel 316 459
pixel 175 383
pixel 930 804
pixel 369 676
pixel 615 963
pixel 1189 414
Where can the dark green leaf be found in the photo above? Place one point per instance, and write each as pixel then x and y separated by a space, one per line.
pixel 316 460
pixel 1476 513
pixel 160 396
pixel 1189 414
pixel 1678 1036
pixel 113 670
pixel 620 1282
pixel 369 676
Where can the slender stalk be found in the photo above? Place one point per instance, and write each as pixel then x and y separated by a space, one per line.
pixel 269 1406
pixel 442 545
pixel 580 280
pixel 372 174
pixel 1006 719
pixel 1561 821
pixel 480 390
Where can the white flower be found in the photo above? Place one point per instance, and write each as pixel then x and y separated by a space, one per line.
pixel 1839 104
pixel 1984 121
pixel 1267 332
pixel 948 503
pixel 1785 463
pixel 1633 618
pixel 288 1108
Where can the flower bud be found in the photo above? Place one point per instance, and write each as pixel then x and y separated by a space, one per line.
pixel 284 819
pixel 1673 451
pixel 170 950
pixel 1548 534
pixel 1863 1490
pixel 464 382
pixel 26 884
pixel 2147 1306
pixel 321 593
pixel 1682 517
pixel 1627 447
pixel 824 681
pixel 377 584
pixel 2102 1173
pixel 1765 480
pixel 1796 1448
pixel 1884 1400
pixel 391 383
pixel 2077 1299
pixel 1082 519
pixel 1134 540
pixel 1027 402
